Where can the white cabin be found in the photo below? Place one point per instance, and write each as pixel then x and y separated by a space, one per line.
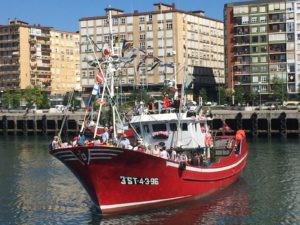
pixel 156 128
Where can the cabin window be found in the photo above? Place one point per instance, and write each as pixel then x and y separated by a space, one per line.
pixel 173 126
pixel 159 127
pixel 146 128
pixel 137 129
pixel 184 127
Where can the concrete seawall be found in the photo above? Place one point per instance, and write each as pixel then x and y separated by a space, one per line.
pixel 255 123
pixel 42 123
pixel 260 123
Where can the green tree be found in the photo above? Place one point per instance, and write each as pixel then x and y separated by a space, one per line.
pixel 140 95
pixel 33 95
pixel 203 94
pixel 223 96
pixel 239 95
pixel 228 94
pixel 251 96
pixel 16 99
pixel 7 99
pixel 45 104
pixel 279 89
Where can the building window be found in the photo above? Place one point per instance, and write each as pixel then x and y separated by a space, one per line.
pixel 253 19
pixel 142 37
pixel 131 80
pixel 253 9
pixel 115 21
pixel 123 20
pixel 142 45
pixel 142 19
pixel 106 38
pixel 254 29
pixel 263 38
pixel 262 29
pixel 262 19
pixel 169 26
pixel 123 36
pixel 254 39
pixel 254 59
pixel 263 79
pixel 150 17
pixel 106 22
pixel 91 73
pixel 262 9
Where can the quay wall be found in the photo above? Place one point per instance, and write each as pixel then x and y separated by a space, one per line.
pixel 255 123
pixel 260 123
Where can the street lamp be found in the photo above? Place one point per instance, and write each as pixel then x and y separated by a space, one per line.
pixel 282 85
pixel 259 92
pixel 232 84
pixel 1 92
pixel 219 88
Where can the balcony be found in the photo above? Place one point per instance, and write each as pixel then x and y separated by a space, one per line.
pixel 10 72
pixel 277 58
pixel 11 40
pixel 242 62
pixel 277 48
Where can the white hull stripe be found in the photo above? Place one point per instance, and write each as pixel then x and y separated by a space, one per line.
pixel 102 153
pixel 208 170
pixel 100 157
pixel 140 203
pixel 106 150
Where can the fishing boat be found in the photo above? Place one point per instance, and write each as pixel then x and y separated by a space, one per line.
pixel 121 178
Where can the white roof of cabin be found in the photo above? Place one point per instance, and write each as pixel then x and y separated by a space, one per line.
pixel 164 117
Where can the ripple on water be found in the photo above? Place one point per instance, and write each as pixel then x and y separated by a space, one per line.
pixel 40 190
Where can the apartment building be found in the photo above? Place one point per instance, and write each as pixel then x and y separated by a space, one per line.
pixel 37 55
pixel 24 55
pixel 262 42
pixel 65 62
pixel 188 40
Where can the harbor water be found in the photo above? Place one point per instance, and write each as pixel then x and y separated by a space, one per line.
pixel 35 188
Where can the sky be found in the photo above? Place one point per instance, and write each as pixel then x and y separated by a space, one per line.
pixel 64 14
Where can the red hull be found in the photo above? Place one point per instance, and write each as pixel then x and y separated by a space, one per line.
pixel 120 180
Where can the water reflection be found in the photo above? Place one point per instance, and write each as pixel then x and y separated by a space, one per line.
pixel 38 189
pixel 230 205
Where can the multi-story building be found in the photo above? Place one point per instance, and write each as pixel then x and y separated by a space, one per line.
pixel 262 43
pixel 26 57
pixel 188 40
pixel 65 59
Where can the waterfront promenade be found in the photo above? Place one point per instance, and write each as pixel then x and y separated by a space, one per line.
pixel 255 123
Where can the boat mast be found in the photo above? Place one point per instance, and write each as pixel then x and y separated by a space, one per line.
pixel 182 93
pixel 112 93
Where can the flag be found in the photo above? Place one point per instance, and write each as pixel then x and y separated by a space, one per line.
pixel 170 65
pixel 141 63
pixel 126 45
pixel 99 77
pixel 96 90
pixel 155 63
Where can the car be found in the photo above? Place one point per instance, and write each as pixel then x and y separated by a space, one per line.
pixel 291 106
pixel 271 105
